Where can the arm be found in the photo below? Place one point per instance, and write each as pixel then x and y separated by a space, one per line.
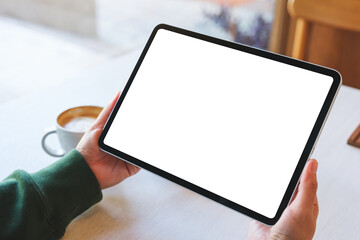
pixel 42 204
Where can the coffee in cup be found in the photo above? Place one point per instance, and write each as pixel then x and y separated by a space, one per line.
pixel 70 127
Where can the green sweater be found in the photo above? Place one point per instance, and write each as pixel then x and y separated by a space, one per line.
pixel 42 204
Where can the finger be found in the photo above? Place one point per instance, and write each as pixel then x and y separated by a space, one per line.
pixel 316 208
pixel 132 168
pixel 104 115
pixel 306 195
pixel 295 194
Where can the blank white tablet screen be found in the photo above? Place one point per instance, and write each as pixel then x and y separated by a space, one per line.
pixel 227 121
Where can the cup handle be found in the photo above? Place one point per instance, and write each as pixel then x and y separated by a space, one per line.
pixel 49 150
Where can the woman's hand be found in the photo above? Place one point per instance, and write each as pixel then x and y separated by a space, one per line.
pixel 298 221
pixel 108 170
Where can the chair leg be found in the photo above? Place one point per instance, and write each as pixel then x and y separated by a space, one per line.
pixel 300 38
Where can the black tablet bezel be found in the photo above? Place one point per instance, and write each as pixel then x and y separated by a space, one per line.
pixel 276 57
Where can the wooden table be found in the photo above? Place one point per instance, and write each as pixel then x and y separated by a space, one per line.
pixel 149 207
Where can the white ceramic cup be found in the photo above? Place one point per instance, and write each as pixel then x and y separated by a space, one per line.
pixel 69 137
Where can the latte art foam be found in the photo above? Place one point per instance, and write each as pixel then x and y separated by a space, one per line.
pixel 79 124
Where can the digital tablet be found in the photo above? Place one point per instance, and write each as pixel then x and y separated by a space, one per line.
pixel 233 123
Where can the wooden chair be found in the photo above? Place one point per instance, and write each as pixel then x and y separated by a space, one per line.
pixel 327 32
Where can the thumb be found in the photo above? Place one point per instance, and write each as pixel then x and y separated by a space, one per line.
pixel 306 196
pixel 105 113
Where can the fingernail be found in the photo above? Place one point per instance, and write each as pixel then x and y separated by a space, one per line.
pixel 314 166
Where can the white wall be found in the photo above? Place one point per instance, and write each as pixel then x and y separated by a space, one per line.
pixel 70 15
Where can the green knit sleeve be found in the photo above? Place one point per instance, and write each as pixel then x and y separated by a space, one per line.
pixel 42 204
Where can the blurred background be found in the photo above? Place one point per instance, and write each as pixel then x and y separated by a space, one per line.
pixel 46 42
